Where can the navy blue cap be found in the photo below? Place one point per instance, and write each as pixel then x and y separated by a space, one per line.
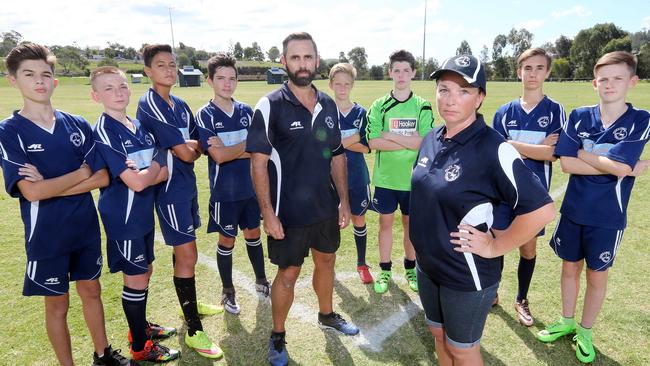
pixel 467 66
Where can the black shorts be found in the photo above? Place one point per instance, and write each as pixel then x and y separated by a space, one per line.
pixel 324 236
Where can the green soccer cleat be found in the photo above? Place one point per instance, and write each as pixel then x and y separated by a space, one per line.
pixel 204 309
pixel 381 284
pixel 585 351
pixel 556 330
pixel 412 279
pixel 203 345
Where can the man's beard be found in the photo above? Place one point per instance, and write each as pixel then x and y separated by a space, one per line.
pixel 301 80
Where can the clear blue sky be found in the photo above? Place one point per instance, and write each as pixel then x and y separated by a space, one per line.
pixel 380 26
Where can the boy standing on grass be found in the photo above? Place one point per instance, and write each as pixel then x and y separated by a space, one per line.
pixel 397 122
pixel 531 124
pixel 126 207
pixel 600 146
pixel 171 122
pixel 353 122
pixel 223 128
pixel 49 164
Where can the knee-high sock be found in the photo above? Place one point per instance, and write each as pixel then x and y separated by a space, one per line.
pixel 360 239
pixel 525 276
pixel 134 305
pixel 186 291
pixel 256 256
pixel 224 263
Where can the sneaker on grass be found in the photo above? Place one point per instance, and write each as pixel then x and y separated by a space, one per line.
pixel 412 279
pixel 336 322
pixel 229 302
pixel 203 345
pixel 381 284
pixel 585 351
pixel 155 352
pixel 560 328
pixel 263 287
pixel 112 357
pixel 523 312
pixel 278 355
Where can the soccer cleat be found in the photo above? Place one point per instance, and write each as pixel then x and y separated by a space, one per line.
pixel 112 358
pixel 523 312
pixel 154 352
pixel 556 330
pixel 204 309
pixel 278 355
pixel 364 274
pixel 412 279
pixel 263 288
pixel 155 331
pixel 585 351
pixel 203 345
pixel 229 302
pixel 336 322
pixel 381 284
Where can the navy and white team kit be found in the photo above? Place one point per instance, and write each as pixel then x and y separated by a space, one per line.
pixel 530 127
pixel 62 237
pixel 356 121
pixel 176 199
pixel 127 215
pixel 594 208
pixel 232 198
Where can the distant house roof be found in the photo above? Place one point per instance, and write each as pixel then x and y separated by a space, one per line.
pixel 277 71
pixel 189 70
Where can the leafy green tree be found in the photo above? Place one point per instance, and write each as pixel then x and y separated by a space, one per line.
pixel 464 48
pixel 273 54
pixel 10 40
pixel 563 47
pixel 588 46
pixel 376 72
pixel 643 57
pixel 342 57
pixel 619 44
pixel 238 51
pixel 71 59
pixel 560 68
pixel 359 59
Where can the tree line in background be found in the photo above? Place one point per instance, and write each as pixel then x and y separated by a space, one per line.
pixel 573 58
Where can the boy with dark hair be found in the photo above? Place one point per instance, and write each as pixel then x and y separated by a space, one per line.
pixel 397 122
pixel 531 124
pixel 171 122
pixel 126 207
pixel 49 164
pixel 223 127
pixel 600 146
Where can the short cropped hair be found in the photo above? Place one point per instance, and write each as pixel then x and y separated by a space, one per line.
pixel 221 59
pixel 617 57
pixel 532 52
pixel 28 51
pixel 104 70
pixel 151 50
pixel 297 36
pixel 402 56
pixel 345 68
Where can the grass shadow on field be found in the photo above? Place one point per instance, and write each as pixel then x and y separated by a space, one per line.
pixel 560 352
pixel 254 342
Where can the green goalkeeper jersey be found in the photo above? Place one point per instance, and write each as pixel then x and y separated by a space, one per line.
pixel 393 168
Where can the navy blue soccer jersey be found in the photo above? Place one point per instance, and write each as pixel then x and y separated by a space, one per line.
pixel 229 181
pixel 126 214
pixel 532 127
pixel 461 180
pixel 301 146
pixel 171 126
pixel 355 122
pixel 601 200
pixel 56 225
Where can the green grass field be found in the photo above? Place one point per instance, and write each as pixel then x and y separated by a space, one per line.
pixel 621 335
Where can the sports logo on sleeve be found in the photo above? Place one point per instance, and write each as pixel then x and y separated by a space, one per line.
pixel 403 126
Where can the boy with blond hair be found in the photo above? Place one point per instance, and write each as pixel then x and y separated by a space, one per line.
pixel 126 207
pixel 49 163
pixel 530 123
pixel 600 146
pixel 353 122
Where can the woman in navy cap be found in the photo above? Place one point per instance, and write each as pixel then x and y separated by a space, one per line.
pixel 464 169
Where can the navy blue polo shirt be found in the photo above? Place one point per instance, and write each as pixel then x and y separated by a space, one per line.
pixel 229 181
pixel 460 180
pixel 355 121
pixel 601 200
pixel 301 146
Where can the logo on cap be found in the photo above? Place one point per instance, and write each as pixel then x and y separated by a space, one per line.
pixel 463 61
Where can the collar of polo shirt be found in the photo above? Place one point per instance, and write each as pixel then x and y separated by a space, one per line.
pixel 465 135
pixel 289 96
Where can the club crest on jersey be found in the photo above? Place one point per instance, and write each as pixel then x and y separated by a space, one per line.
pixel 357 123
pixel 452 172
pixel 148 140
pixel 605 256
pixel 620 133
pixel 543 121
pixel 75 138
pixel 244 121
pixel 462 61
pixel 184 116
pixel 329 121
